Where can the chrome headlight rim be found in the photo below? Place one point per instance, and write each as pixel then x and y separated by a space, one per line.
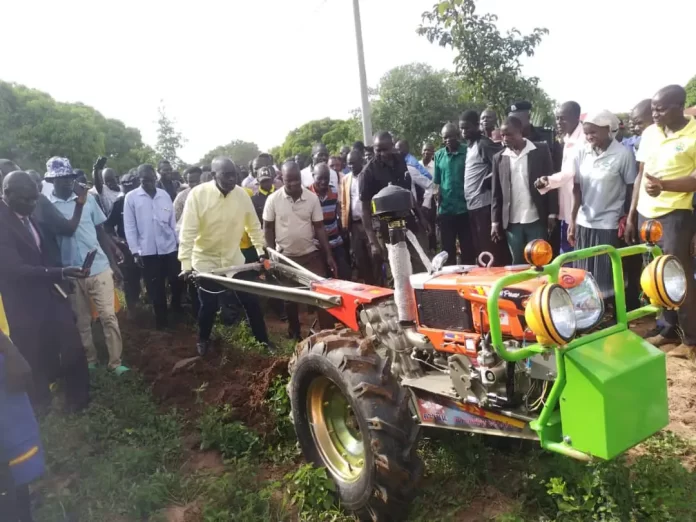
pixel 565 332
pixel 591 282
pixel 671 263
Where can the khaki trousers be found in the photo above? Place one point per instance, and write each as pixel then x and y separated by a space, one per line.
pixel 100 289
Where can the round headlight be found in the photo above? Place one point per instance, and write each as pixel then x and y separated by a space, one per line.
pixel 551 315
pixel 674 280
pixel 664 281
pixel 588 303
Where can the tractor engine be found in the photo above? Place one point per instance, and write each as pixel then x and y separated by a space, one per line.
pixel 439 320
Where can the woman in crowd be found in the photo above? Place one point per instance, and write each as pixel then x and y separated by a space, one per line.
pixel 604 174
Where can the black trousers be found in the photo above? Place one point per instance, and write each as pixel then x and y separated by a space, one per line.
pixel 15 505
pixel 131 276
pixel 677 232
pixel 212 295
pixel 455 227
pixel 157 270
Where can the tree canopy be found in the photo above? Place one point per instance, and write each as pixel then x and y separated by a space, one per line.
pixel 487 62
pixel 691 92
pixel 414 101
pixel 332 133
pixel 34 127
pixel 169 139
pixel 239 151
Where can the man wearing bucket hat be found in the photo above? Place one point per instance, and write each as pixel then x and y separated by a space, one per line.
pixel 98 288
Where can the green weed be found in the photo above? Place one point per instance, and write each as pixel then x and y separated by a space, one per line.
pixel 116 459
pixel 310 490
pixel 220 432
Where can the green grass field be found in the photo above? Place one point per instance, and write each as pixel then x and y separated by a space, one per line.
pixel 129 459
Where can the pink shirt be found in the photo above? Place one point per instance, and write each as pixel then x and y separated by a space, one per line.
pixel 563 181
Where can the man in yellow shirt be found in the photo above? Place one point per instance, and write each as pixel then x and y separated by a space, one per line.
pixel 667 181
pixel 216 216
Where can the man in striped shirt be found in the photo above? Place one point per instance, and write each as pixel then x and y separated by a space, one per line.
pixel 331 208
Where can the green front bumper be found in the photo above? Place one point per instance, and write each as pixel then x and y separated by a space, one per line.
pixel 615 395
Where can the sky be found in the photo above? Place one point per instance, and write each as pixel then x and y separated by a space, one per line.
pixel 255 70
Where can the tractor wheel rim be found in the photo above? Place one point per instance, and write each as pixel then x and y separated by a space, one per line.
pixel 335 430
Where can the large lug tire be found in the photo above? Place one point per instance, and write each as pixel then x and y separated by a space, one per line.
pixel 352 417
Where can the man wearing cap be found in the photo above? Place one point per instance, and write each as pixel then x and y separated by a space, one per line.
pixel 98 288
pixel 114 225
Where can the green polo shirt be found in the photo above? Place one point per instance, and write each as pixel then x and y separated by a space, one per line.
pixel 449 174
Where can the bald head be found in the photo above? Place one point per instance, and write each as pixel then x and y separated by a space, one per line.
pixel 668 107
pixel 20 192
pixel 225 172
pixel 567 117
pixel 110 179
pixel 672 95
pixel 292 179
pixel 402 147
pixel 321 169
pixel 450 135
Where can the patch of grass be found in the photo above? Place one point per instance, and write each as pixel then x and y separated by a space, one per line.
pixel 116 459
pixel 240 495
pixel 239 337
pixel 312 493
pixel 231 438
pixel 282 446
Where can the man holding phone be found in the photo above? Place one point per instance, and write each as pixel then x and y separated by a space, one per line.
pixel 98 287
pixel 36 310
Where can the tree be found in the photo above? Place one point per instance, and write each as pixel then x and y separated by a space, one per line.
pixel 691 92
pixel 169 140
pixel 239 151
pixel 414 101
pixel 487 63
pixel 332 133
pixel 34 127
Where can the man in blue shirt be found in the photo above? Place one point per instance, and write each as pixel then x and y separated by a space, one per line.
pixel 150 226
pixel 98 288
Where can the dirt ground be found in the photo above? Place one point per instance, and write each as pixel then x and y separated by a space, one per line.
pixel 681 381
pixel 181 379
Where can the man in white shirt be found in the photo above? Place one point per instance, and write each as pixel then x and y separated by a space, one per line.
pixel 517 208
pixel 320 154
pixel 569 125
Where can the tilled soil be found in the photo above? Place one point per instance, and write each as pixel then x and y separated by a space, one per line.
pixel 181 379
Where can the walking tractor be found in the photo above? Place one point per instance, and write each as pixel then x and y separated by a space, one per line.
pixel 514 351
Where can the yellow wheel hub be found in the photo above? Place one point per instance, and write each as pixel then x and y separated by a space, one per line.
pixel 335 430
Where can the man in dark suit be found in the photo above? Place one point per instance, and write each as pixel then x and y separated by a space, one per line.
pixel 517 207
pixel 40 319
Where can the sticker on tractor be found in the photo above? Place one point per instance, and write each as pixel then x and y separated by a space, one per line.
pixel 439 411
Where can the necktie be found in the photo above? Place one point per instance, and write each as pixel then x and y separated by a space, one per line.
pixel 30 228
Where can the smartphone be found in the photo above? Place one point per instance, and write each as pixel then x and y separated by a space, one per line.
pixel 89 259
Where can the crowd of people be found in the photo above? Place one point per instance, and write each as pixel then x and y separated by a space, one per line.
pixel 490 188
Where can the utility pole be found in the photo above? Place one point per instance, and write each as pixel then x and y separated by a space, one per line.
pixel 365 102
